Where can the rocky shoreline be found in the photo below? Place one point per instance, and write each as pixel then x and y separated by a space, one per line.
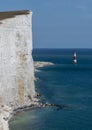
pixel 40 64
pixel 6 112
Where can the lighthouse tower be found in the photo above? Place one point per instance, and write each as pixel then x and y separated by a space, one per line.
pixel 74 58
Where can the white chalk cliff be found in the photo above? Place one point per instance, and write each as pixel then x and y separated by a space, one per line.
pixel 16 63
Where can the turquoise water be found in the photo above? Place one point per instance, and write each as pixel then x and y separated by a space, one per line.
pixel 62 84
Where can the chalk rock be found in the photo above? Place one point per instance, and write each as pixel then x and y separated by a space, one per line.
pixel 16 64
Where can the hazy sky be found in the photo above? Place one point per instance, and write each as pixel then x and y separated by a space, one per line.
pixel 57 23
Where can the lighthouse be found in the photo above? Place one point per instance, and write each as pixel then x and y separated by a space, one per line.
pixel 74 58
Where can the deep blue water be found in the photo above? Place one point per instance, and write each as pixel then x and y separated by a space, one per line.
pixel 65 84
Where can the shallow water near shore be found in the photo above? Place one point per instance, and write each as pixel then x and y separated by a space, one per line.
pixel 62 84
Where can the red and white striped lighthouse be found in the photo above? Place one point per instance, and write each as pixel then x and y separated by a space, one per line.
pixel 74 58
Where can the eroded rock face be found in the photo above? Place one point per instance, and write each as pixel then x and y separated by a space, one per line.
pixel 16 63
pixel 5 112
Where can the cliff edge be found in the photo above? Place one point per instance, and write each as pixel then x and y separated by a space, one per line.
pixel 16 64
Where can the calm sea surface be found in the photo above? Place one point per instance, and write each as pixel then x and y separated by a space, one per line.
pixel 65 84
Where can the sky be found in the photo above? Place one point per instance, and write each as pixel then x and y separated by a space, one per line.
pixel 57 23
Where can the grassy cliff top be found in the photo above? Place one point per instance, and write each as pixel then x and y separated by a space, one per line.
pixel 10 14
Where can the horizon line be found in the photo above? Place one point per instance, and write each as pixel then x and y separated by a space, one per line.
pixel 60 48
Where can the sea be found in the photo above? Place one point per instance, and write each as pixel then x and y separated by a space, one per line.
pixel 63 84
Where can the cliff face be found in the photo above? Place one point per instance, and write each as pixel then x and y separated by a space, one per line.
pixel 16 63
